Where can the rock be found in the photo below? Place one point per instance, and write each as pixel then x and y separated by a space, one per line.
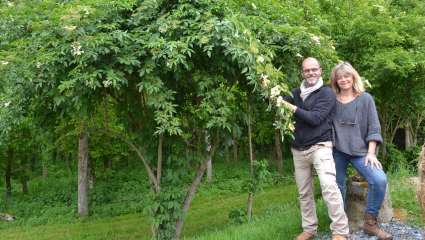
pixel 7 217
pixel 356 203
pixel 421 180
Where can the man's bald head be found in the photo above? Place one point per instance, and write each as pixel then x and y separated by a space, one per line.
pixel 311 71
pixel 310 60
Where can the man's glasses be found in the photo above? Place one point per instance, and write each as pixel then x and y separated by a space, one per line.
pixel 311 70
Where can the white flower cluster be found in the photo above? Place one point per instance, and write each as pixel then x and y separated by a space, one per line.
pixel 315 39
pixel 107 83
pixel 279 101
pixel 275 91
pixel 86 10
pixel 6 104
pixel 76 49
pixel 4 62
pixel 70 28
pixel 38 64
pixel 260 59
pixel 10 4
pixel 264 80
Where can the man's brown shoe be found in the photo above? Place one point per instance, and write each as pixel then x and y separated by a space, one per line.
pixel 305 236
pixel 371 227
pixel 338 237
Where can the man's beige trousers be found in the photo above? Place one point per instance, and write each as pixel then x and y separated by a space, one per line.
pixel 319 156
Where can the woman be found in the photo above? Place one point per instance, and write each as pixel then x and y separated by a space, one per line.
pixel 357 133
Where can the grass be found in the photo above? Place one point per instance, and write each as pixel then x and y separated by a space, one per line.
pixel 276 215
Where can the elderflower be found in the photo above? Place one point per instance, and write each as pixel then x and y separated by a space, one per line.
pixel 279 101
pixel 70 28
pixel 4 62
pixel 291 126
pixel 315 39
pixel 76 49
pixel 275 91
pixel 260 59
pixel 264 80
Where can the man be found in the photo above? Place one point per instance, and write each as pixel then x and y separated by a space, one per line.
pixel 313 106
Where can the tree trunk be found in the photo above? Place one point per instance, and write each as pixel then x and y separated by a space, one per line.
pixel 91 169
pixel 69 164
pixel 278 149
pixel 408 140
pixel 251 165
pixel 8 172
pixel 159 162
pixel 192 190
pixel 235 145
pixel 408 136
pixel 209 170
pixel 83 155
pixel 24 182
pixel 44 166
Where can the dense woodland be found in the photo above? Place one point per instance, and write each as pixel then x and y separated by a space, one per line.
pixel 153 93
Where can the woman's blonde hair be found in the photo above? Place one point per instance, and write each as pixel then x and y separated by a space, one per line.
pixel 342 68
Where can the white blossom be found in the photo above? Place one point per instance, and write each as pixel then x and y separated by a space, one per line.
pixel 86 10
pixel 291 126
pixel 38 64
pixel 260 59
pixel 279 101
pixel 254 6
pixel 4 62
pixel 162 29
pixel 70 27
pixel 264 80
pixel 315 39
pixel 6 104
pixel 10 4
pixel 299 55
pixel 275 91
pixel 107 83
pixel 76 49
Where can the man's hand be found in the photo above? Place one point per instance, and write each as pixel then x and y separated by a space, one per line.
pixel 374 162
pixel 282 103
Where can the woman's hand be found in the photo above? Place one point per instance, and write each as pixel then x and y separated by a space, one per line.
pixel 374 162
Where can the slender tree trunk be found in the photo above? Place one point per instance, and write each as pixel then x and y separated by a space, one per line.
pixel 8 172
pixel 235 145
pixel 24 182
pixel 278 149
pixel 45 166
pixel 159 162
pixel 83 206
pixel 209 170
pixel 226 153
pixel 92 172
pixel 69 158
pixel 251 165
pixel 408 139
pixel 192 190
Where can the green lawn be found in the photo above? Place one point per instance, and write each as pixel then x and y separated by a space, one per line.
pixel 276 217
pixel 208 214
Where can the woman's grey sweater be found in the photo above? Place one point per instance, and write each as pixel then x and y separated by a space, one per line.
pixel 355 124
